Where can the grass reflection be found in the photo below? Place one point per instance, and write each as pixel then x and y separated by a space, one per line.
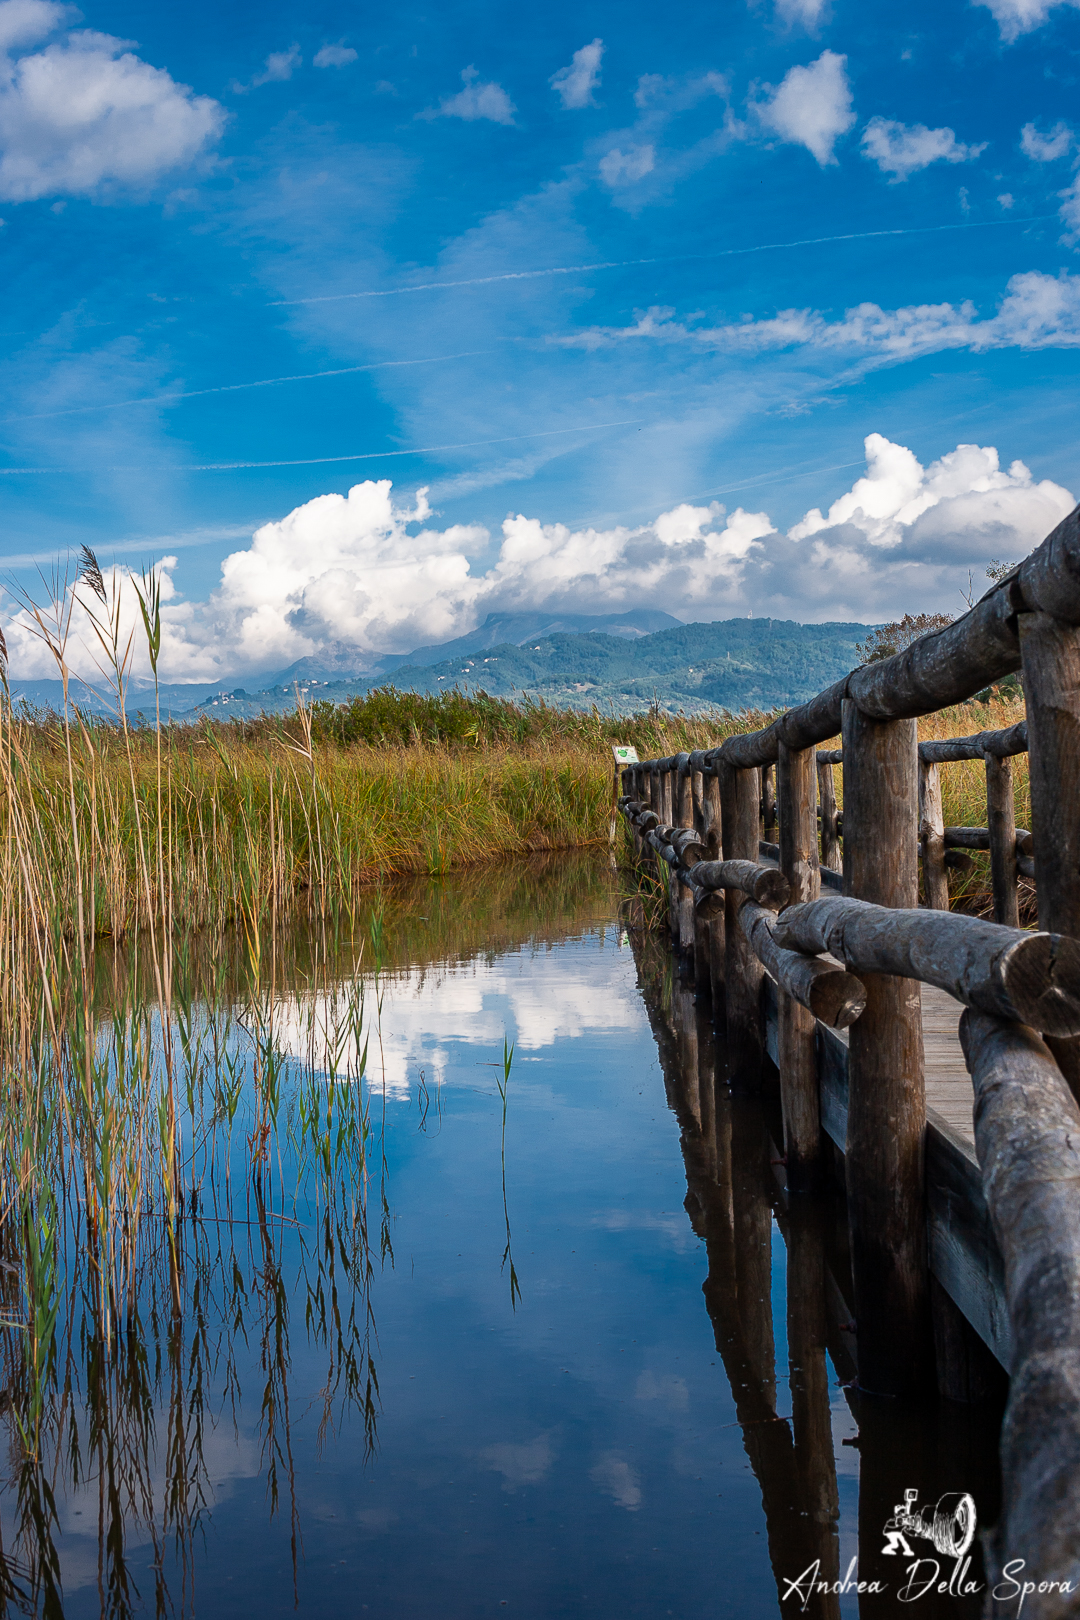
pixel 194 1185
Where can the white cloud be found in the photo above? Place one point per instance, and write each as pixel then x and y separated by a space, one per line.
pixel 812 106
pixel 360 572
pixel 619 168
pixel 1037 312
pixel 24 22
pixel 808 13
pixel 1070 207
pixel 659 97
pixel 962 509
pixel 477 100
pixel 339 55
pixel 1006 200
pixel 576 83
pixel 1015 17
pixel 520 1465
pixel 1045 148
pixel 618 1479
pixel 902 149
pixel 85 112
pixel 278 66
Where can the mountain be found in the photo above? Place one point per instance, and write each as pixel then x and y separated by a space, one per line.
pixel 622 662
pixel 342 662
pixel 731 664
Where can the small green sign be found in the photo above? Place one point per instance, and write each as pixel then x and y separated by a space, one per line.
pixel 624 755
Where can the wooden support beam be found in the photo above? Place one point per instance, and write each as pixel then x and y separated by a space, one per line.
pixel 932 838
pixel 1006 972
pixel 797 797
pixel 823 989
pixel 1001 825
pixel 886 1124
pixel 740 796
pixel 1051 664
pixel 765 884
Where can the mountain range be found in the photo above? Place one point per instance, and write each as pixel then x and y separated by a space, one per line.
pixel 622 662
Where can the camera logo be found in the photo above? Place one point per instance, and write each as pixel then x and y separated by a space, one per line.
pixel 949 1525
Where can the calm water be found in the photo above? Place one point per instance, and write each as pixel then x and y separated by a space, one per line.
pixel 546 1370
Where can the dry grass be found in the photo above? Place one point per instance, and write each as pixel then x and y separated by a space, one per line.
pixel 963 795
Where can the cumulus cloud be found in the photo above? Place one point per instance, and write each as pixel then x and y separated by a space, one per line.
pixel 1045 148
pixel 575 84
pixel 362 573
pixel 1016 17
pixel 85 112
pixel 477 100
pixel 1037 312
pixel 902 149
pixel 24 22
pixel 812 106
pixel 339 55
pixel 619 168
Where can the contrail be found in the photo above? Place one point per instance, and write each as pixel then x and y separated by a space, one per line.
pixel 232 388
pixel 667 258
pixel 319 461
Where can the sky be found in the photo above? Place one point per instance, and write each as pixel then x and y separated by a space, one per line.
pixel 356 325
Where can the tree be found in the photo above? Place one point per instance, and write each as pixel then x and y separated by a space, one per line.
pixel 888 639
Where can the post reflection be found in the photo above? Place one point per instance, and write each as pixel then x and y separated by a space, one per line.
pixel 736 1199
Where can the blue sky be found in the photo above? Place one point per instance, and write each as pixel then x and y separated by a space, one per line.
pixel 685 261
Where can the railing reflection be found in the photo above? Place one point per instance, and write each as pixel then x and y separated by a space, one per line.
pixel 736 1198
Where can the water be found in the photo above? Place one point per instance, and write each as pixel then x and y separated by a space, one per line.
pixel 541 1363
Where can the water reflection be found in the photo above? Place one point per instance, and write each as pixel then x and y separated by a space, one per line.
pixel 426 1336
pixel 735 1202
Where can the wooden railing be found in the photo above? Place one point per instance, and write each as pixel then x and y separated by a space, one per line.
pixel 745 835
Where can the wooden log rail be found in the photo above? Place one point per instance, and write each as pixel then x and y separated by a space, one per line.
pixel 759 811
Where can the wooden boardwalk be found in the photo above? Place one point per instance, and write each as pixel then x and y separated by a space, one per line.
pixel 948 1085
pixel 989 1252
pixel 949 1091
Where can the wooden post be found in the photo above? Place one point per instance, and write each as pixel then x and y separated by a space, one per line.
pixel 1001 821
pixel 1050 652
pixel 768 804
pixel 740 796
pixel 697 799
pixel 714 842
pixel 830 838
pixel 711 838
pixel 932 839
pixel 684 817
pixel 796 1042
pixel 886 1091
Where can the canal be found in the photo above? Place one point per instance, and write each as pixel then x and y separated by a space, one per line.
pixel 536 1334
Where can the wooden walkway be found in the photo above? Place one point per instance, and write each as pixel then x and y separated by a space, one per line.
pixel 948 1085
